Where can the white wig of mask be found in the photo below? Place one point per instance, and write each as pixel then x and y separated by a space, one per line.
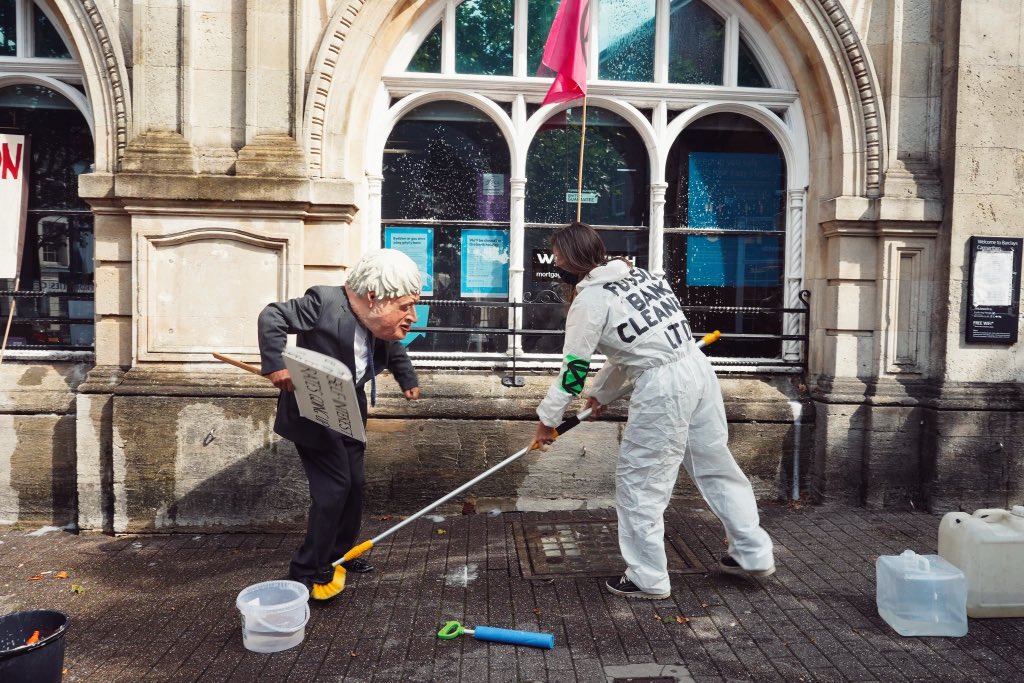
pixel 388 273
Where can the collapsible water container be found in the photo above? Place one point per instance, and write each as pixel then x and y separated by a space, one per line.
pixel 921 595
pixel 988 547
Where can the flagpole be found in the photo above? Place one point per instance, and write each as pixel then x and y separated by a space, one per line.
pixel 10 317
pixel 579 173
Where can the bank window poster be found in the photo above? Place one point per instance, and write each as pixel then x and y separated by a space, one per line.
pixel 485 260
pixel 418 244
pixel 733 191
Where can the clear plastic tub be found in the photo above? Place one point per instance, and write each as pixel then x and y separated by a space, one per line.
pixel 988 547
pixel 274 615
pixel 921 595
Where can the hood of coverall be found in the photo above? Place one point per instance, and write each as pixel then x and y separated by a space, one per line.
pixel 613 271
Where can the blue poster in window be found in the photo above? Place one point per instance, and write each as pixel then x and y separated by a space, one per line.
pixel 733 191
pixel 485 258
pixel 422 314
pixel 417 244
pixel 734 261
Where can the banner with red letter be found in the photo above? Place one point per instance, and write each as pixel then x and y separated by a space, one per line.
pixel 13 201
pixel 565 52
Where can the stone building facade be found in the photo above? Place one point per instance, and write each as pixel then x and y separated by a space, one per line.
pixel 237 152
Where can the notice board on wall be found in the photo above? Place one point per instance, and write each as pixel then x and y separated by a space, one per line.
pixel 993 289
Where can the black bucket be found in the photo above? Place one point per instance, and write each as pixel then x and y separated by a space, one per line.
pixel 40 662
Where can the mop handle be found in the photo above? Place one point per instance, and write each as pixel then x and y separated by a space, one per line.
pixel 237 363
pixel 560 429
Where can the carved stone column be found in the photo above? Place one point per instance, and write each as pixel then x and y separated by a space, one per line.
pixel 272 91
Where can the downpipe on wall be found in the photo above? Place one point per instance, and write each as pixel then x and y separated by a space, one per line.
pixel 798 410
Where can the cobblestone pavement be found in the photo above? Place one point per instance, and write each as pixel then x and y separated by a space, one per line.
pixel 162 608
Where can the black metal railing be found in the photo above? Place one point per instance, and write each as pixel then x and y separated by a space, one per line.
pixel 514 351
pixel 38 340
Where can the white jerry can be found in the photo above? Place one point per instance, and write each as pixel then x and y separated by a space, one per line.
pixel 988 547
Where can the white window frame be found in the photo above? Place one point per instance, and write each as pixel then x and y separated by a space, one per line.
pixel 675 106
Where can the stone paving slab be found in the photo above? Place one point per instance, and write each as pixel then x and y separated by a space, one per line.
pixel 162 608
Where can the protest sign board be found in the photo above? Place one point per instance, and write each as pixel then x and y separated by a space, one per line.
pixel 13 199
pixel 324 391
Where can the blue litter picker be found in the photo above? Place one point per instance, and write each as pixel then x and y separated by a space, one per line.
pixel 454 629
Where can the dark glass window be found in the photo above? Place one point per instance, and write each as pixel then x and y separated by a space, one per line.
pixel 724 230
pixel 428 58
pixel 48 42
pixel 57 261
pixel 750 74
pixel 616 178
pixel 446 195
pixel 483 37
pixel 8 28
pixel 539 17
pixel 696 44
pixel 615 171
pixel 626 40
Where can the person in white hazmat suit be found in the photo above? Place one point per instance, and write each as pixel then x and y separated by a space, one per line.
pixel 676 414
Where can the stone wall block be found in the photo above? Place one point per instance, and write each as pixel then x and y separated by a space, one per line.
pixel 892 458
pixel 114 289
pixel 852 258
pixel 762 451
pixel 967 471
pixel 851 306
pixel 50 388
pixel 94 462
pixel 244 477
pixel 838 447
pixel 37 470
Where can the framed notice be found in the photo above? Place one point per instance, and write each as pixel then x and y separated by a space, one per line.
pixel 418 244
pixel 324 391
pixel 993 289
pixel 485 258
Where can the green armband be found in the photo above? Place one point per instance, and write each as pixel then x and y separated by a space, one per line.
pixel 575 375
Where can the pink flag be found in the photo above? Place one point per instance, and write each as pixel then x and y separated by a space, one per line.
pixel 565 52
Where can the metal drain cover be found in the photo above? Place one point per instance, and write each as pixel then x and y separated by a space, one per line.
pixel 574 547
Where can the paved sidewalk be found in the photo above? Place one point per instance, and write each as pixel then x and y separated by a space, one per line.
pixel 162 608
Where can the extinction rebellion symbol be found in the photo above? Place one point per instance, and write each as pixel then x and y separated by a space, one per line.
pixel 575 375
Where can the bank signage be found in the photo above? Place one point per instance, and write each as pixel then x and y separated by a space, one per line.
pixel 993 289
pixel 13 201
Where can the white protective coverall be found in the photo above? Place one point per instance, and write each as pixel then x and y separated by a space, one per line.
pixel 676 415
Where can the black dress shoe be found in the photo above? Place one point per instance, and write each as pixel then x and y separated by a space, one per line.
pixel 357 565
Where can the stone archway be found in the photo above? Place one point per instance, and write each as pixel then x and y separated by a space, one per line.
pixel 106 76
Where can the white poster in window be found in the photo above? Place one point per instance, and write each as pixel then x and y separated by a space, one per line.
pixel 13 201
pixel 993 278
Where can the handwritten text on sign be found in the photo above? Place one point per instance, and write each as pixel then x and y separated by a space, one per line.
pixel 13 168
pixel 324 391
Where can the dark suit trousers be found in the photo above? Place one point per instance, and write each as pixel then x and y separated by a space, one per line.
pixel 336 481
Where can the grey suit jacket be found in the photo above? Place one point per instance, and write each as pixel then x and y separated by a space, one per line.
pixel 324 322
